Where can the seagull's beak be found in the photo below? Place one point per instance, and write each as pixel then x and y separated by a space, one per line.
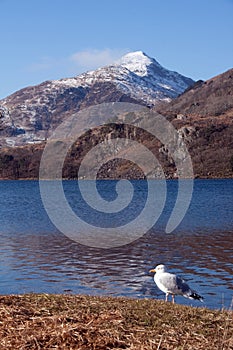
pixel 153 270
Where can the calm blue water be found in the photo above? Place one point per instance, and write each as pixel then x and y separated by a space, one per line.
pixel 36 257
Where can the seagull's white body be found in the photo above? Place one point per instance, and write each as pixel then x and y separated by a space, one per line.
pixel 172 284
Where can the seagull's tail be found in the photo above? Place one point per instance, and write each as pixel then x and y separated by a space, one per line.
pixel 195 296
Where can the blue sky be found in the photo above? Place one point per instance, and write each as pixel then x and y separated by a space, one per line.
pixel 52 39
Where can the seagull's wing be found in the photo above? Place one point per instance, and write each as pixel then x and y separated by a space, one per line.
pixel 169 283
pixel 182 286
pixel 185 290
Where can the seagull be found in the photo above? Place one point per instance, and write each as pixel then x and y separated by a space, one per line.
pixel 173 284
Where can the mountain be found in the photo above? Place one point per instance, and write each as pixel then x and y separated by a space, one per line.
pixel 213 97
pixel 29 115
pixel 202 112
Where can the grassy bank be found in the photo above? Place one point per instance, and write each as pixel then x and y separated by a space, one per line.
pixel 81 322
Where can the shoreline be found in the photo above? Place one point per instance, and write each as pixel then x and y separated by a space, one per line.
pixel 117 179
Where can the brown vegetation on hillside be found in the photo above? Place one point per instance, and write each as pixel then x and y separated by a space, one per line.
pixel 209 141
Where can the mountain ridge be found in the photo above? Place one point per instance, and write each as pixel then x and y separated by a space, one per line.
pixel 213 97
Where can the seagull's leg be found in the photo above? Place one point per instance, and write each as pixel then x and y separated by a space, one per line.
pixel 173 298
pixel 166 298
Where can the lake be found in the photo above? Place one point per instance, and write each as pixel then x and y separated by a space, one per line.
pixel 36 257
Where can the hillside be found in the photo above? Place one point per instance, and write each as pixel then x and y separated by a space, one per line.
pixel 210 98
pixel 205 114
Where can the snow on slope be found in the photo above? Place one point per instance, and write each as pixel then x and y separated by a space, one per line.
pixel 30 114
pixel 137 62
pixel 138 75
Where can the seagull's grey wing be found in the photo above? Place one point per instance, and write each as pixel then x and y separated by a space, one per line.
pixel 169 281
pixel 182 286
pixel 186 291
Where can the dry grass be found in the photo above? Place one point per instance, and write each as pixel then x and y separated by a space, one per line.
pixel 81 322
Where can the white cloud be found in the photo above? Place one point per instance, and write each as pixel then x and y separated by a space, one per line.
pixel 93 58
pixel 47 67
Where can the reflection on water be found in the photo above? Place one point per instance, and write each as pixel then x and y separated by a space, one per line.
pixel 34 257
pixel 53 263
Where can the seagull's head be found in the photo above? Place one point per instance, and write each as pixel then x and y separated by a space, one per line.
pixel 158 269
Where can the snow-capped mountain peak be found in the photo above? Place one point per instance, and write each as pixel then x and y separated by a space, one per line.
pixel 137 62
pixel 30 114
